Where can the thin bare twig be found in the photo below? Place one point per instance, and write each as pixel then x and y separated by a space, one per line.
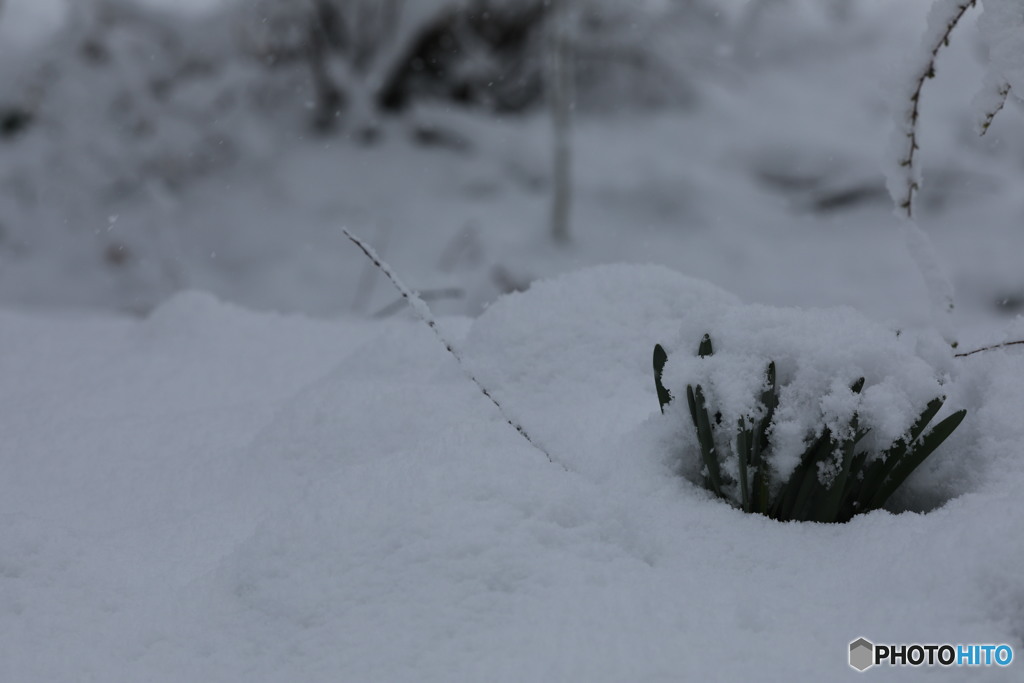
pixel 989 348
pixel 422 311
pixel 560 95
pixel 909 160
pixel 1002 91
pixel 364 289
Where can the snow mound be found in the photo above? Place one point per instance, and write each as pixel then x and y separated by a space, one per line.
pixel 582 342
pixel 430 542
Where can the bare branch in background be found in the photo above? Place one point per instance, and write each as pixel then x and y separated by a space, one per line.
pixel 940 29
pixel 560 94
pixel 905 180
pixel 329 97
pixel 989 102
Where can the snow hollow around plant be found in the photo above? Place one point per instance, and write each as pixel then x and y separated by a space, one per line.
pixel 213 494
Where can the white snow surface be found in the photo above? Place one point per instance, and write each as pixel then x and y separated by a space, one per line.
pixel 1001 26
pixel 204 492
pixel 213 494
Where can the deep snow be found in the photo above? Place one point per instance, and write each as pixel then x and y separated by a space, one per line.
pixel 205 492
pixel 216 494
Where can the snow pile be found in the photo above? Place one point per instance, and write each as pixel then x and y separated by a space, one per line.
pixel 596 327
pixel 818 355
pixel 215 495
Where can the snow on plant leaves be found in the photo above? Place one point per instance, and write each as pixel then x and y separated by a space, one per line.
pixel 819 354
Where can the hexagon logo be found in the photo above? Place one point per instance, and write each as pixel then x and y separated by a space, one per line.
pixel 862 654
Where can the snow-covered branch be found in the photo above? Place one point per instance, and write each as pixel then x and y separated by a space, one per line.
pixel 1002 29
pixel 906 181
pixel 990 101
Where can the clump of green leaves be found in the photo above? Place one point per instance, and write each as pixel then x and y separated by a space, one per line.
pixel 864 481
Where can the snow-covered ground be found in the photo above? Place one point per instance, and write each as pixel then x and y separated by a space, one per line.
pixel 215 494
pixel 251 477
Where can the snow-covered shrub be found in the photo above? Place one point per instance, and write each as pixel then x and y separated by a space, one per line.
pixel 123 104
pixel 132 90
pixel 808 438
pixel 366 57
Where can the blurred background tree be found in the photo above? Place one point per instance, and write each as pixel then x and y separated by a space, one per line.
pixel 149 145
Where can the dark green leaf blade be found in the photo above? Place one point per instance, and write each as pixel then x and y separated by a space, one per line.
pixel 760 445
pixel 915 456
pixel 744 442
pixel 705 349
pixel 811 490
pixel 706 439
pixel 660 358
pixel 880 470
pixel 831 505
pixel 786 501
